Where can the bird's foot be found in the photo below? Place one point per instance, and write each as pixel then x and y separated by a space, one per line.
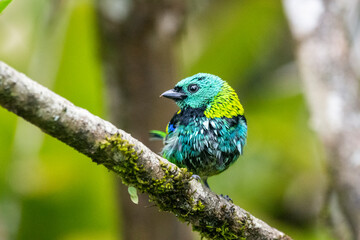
pixel 196 177
pixel 226 197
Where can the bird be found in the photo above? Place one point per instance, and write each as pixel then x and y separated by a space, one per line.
pixel 209 131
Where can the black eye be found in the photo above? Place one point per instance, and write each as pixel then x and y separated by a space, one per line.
pixel 193 88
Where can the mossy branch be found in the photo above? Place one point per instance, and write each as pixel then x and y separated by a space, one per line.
pixel 171 188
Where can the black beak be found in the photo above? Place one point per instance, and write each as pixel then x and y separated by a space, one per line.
pixel 172 94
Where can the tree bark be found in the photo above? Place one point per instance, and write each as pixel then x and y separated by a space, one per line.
pixel 169 187
pixel 332 88
pixel 137 47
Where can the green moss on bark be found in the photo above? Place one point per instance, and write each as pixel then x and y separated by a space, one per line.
pixel 169 190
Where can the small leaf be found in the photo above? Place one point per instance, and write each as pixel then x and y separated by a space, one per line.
pixel 133 194
pixel 132 190
pixel 134 199
pixel 3 4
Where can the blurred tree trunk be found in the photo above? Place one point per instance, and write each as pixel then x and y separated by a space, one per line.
pixel 327 33
pixel 138 39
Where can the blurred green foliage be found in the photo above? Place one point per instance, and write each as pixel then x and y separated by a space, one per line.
pixel 49 191
pixel 3 4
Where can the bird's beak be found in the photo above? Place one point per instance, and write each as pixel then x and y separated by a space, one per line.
pixel 172 94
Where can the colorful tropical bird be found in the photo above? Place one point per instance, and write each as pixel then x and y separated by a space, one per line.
pixel 209 131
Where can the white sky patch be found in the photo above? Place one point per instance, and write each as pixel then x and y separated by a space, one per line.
pixel 117 10
pixel 334 110
pixel 355 159
pixel 304 15
pixel 168 23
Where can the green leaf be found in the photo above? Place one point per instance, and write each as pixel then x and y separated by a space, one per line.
pixel 3 4
pixel 133 195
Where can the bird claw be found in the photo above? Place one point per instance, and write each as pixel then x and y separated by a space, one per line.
pixel 226 197
pixel 196 177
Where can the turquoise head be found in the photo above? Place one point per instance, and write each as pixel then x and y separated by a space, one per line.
pixel 204 90
pixel 197 91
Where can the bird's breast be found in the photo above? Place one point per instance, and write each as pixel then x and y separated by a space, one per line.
pixel 205 146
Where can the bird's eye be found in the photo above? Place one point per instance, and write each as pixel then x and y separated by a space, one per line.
pixel 193 88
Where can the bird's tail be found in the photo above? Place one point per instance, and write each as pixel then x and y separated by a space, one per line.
pixel 157 135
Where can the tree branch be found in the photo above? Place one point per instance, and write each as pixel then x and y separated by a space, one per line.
pixel 171 188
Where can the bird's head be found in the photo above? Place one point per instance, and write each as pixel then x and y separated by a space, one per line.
pixel 206 91
pixel 196 91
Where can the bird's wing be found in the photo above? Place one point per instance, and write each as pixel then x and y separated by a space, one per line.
pixel 241 133
pixel 173 123
pixel 238 131
pixel 170 127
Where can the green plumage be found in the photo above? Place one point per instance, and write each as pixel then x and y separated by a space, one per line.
pixel 156 134
pixel 209 132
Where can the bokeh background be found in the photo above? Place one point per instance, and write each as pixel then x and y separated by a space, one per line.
pixel 50 191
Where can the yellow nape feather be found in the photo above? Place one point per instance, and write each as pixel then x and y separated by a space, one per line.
pixel 226 104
